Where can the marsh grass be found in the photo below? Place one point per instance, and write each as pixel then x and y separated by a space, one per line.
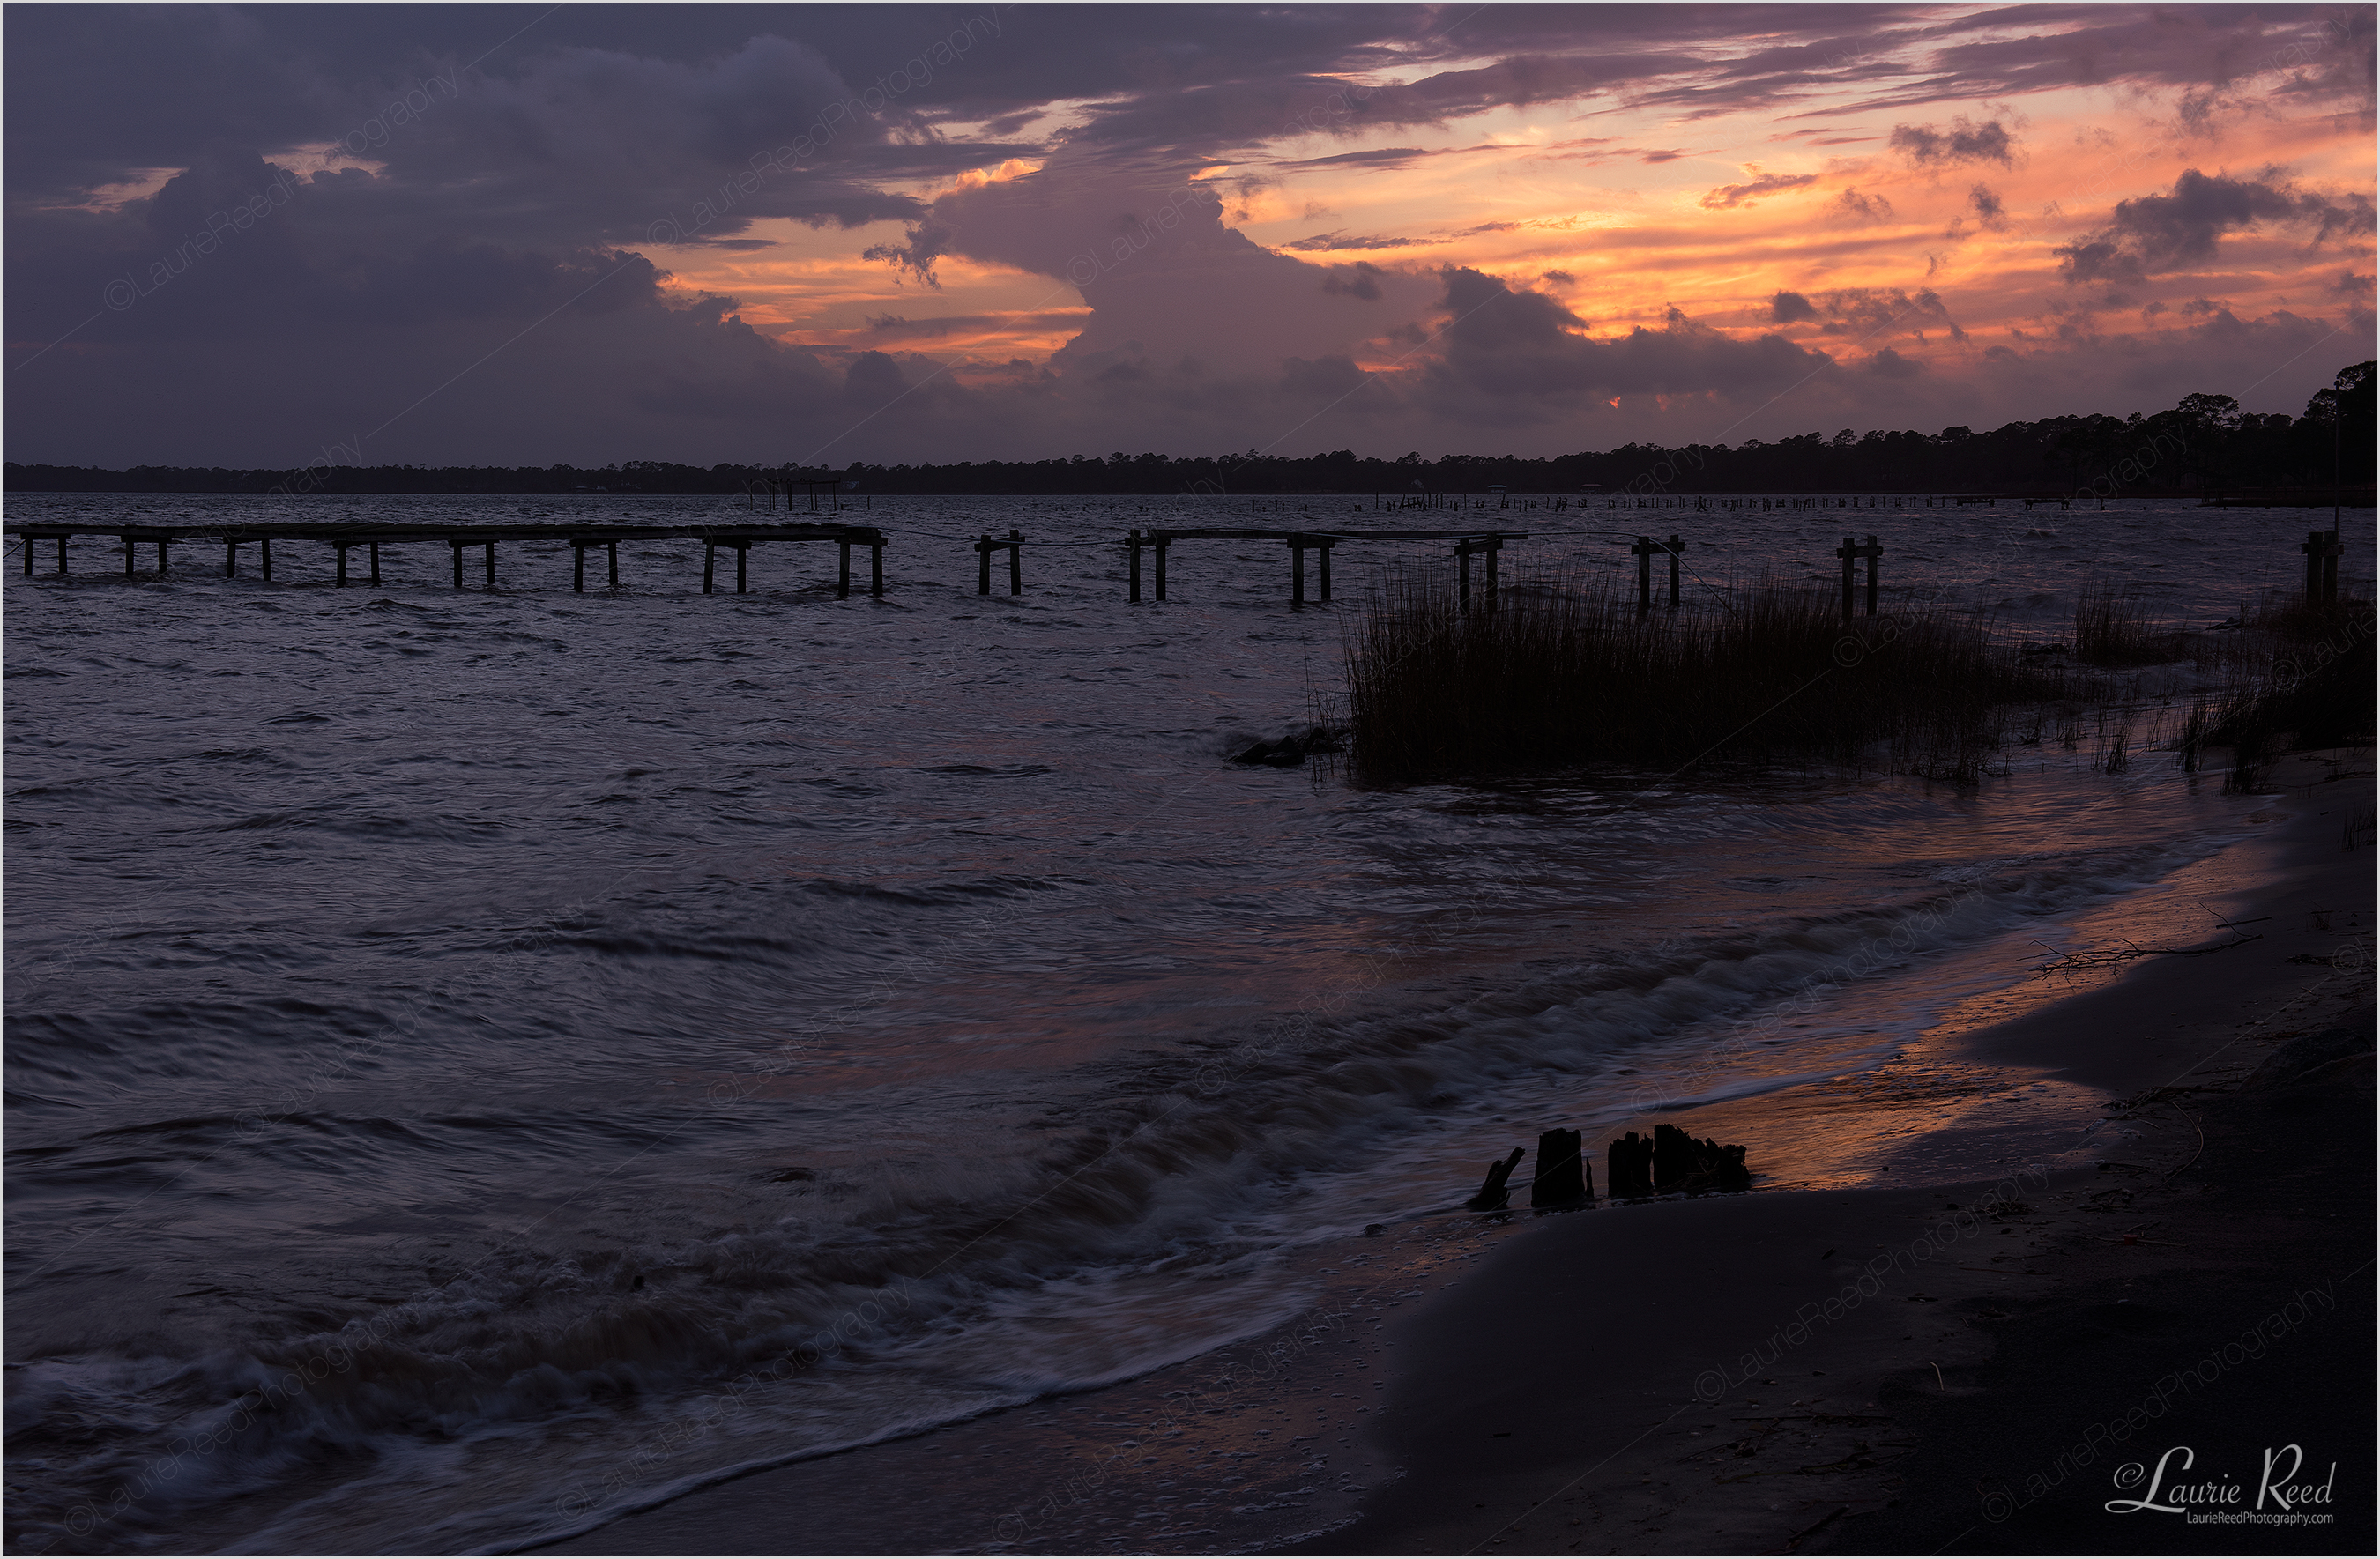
pixel 2114 627
pixel 1554 675
pixel 2310 682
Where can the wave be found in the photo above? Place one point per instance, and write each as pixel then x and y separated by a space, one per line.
pixel 1171 1175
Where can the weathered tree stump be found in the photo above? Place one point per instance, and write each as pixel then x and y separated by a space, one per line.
pixel 1674 1158
pixel 1491 1194
pixel 1689 1164
pixel 1561 1171
pixel 1628 1167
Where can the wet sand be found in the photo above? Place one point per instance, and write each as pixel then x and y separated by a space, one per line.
pixel 1887 1371
pixel 1792 1371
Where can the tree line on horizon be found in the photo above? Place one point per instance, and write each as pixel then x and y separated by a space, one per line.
pixel 2204 443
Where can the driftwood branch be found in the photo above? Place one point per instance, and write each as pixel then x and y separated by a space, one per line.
pixel 2110 958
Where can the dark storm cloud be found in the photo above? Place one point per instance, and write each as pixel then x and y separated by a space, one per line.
pixel 1728 197
pixel 1962 142
pixel 1790 308
pixel 1516 344
pixel 486 275
pixel 2318 51
pixel 1325 242
pixel 896 327
pixel 1386 156
pixel 2181 229
pixel 1870 311
pixel 1858 209
pixel 1359 280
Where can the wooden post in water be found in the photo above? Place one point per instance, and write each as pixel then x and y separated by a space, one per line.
pixel 1628 1167
pixel 1015 561
pixel 1643 546
pixel 711 562
pixel 743 550
pixel 1561 1171
pixel 983 564
pixel 1132 566
pixel 231 559
pixel 2322 550
pixel 875 567
pixel 263 556
pixel 457 548
pixel 1491 1194
pixel 842 563
pixel 1297 570
pixel 577 566
pixel 615 564
pixel 374 551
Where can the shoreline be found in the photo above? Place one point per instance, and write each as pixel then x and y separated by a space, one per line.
pixel 1921 1365
pixel 1189 1458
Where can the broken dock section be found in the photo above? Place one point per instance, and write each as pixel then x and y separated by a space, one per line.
pixel 342 539
pixel 1468 544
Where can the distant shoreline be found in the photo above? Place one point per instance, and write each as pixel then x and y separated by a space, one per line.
pixel 529 482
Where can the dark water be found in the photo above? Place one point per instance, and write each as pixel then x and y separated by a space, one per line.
pixel 450 1033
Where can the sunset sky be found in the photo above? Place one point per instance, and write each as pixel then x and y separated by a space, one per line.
pixel 465 235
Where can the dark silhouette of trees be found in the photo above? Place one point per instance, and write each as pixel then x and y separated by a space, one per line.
pixel 2203 442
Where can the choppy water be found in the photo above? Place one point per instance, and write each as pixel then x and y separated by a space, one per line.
pixel 452 1033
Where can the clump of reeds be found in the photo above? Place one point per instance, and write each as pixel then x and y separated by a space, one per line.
pixel 2313 685
pixel 1551 675
pixel 2113 626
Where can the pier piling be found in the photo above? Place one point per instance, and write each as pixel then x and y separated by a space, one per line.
pixel 984 548
pixel 1850 551
pixel 1643 546
pixel 2321 551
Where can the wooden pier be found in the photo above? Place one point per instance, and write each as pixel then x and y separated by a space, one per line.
pixel 1299 543
pixel 342 539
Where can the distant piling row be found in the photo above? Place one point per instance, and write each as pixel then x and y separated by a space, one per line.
pixel 2322 550
pixel 344 539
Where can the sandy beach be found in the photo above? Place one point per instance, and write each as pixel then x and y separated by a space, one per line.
pixel 1883 1369
pixel 1963 1368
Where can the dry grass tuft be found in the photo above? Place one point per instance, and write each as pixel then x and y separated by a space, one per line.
pixel 1554 676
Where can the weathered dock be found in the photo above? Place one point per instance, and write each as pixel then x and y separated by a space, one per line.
pixel 345 539
pixel 1318 541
